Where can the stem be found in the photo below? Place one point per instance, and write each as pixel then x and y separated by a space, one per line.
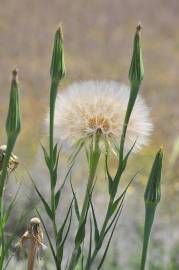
pixel 101 236
pixel 32 254
pixel 53 94
pixel 10 145
pixel 149 218
pixel 94 155
pixel 131 102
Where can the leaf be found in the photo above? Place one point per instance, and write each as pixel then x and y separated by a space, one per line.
pixel 58 193
pixel 114 218
pixel 110 180
pixel 78 146
pixel 48 237
pixel 121 197
pixel 47 207
pixel 76 202
pixel 90 246
pixel 57 198
pixel 60 232
pixel 61 246
pixel 96 235
pixel 55 168
pixel 128 154
pixel 46 157
pixel 55 152
pixel 110 238
pixel 81 231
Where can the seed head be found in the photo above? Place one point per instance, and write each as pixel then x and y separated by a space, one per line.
pixel 98 107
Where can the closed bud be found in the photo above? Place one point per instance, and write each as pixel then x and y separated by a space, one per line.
pixel 136 71
pixel 57 69
pixel 13 124
pixel 153 191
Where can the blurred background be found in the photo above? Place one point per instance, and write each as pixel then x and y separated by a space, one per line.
pixel 98 44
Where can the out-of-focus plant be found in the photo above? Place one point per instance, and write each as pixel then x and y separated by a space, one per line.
pixel 8 163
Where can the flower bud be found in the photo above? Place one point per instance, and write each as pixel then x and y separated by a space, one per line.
pixel 13 124
pixel 136 71
pixel 153 193
pixel 57 69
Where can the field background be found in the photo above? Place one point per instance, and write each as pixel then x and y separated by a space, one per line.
pixel 98 40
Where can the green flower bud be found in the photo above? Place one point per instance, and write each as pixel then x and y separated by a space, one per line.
pixel 57 69
pixel 153 192
pixel 136 71
pixel 152 197
pixel 13 124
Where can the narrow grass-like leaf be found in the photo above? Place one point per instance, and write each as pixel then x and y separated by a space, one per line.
pixel 128 154
pixel 115 204
pixel 55 169
pixel 58 193
pixel 6 215
pixel 61 247
pixel 57 198
pixel 60 232
pixel 82 262
pixel 46 157
pixel 114 218
pixel 76 202
pixel 47 207
pixel 48 237
pixel 109 241
pixel 78 146
pixel 81 230
pixel 110 180
pixel 90 246
pixel 55 151
pixel 96 234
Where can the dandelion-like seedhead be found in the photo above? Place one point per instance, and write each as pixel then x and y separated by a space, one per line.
pixel 13 161
pixel 90 107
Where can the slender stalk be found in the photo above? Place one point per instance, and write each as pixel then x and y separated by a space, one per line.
pixel 94 155
pixel 149 218
pixel 3 176
pixel 93 163
pixel 132 99
pixel 53 93
pixel 101 236
pixel 32 254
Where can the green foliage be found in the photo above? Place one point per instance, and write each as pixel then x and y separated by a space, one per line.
pixel 152 197
pixel 12 129
pixel 99 236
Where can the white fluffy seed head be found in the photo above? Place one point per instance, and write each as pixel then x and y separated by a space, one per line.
pixel 88 107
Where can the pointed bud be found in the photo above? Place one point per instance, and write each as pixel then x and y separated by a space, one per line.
pixel 13 124
pixel 153 193
pixel 136 71
pixel 57 69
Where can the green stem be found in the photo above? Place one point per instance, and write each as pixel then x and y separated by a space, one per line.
pixel 131 102
pixel 149 218
pixel 94 155
pixel 53 94
pixel 10 145
pixel 102 234
pixel 94 158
